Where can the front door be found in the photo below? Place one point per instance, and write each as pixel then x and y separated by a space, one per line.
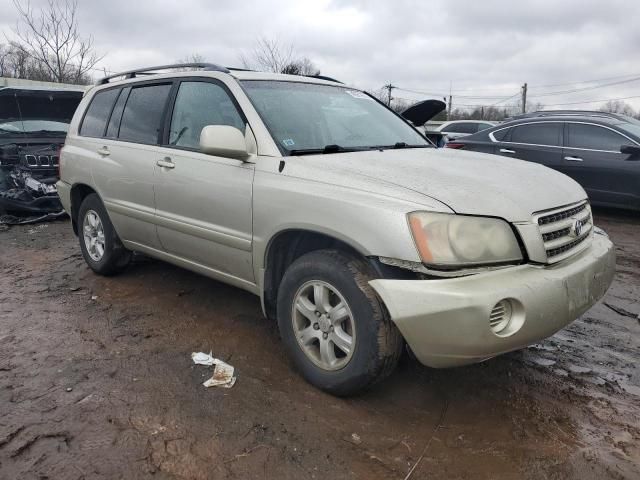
pixel 203 202
pixel 592 158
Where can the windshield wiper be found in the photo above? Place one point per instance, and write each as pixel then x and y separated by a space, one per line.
pixel 333 148
pixel 398 145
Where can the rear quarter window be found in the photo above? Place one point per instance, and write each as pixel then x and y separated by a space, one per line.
pixel 501 135
pixel 97 115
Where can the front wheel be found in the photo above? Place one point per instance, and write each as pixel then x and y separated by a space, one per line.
pixel 334 327
pixel 101 248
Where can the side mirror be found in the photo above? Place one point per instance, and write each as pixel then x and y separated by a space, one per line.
pixel 632 150
pixel 223 141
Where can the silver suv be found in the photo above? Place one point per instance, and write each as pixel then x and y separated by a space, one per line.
pixel 357 235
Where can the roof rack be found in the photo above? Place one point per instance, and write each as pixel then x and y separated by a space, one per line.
pixel 324 77
pixel 133 73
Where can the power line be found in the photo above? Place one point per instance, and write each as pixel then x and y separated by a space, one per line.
pixel 566 92
pixel 592 101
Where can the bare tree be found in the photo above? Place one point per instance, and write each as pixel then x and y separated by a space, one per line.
pixel 618 106
pixel 270 55
pixel 192 58
pixel 51 38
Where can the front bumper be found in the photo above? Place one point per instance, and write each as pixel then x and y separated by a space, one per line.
pixel 446 322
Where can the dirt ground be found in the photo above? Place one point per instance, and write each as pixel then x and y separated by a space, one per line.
pixel 96 381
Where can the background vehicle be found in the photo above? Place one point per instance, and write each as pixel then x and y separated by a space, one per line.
pixel 33 126
pixel 461 128
pixel 600 152
pixel 354 231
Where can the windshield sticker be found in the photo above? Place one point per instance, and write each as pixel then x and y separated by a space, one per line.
pixel 287 142
pixel 358 94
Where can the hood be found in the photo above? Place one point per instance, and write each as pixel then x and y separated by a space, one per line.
pixel 27 104
pixel 421 112
pixel 467 182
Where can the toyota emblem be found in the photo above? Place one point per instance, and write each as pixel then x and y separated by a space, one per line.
pixel 577 228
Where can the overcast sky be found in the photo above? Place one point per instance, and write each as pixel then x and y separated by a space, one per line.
pixel 476 48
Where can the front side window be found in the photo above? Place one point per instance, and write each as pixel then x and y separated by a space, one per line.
pixel 306 117
pixel 199 104
pixel 95 120
pixel 142 116
pixel 538 134
pixel 593 137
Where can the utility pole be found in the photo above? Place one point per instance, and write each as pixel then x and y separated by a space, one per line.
pixel 524 98
pixel 449 107
pixel 389 87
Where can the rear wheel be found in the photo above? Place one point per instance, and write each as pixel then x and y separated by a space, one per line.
pixel 101 248
pixel 335 328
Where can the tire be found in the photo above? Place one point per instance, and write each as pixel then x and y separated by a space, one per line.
pixel 112 258
pixel 376 343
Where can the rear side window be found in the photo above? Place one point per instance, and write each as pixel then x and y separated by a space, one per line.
pixel 95 120
pixel 462 128
pixel 538 134
pixel 593 137
pixel 142 116
pixel 116 115
pixel 199 104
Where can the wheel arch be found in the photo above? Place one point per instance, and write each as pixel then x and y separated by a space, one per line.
pixel 79 192
pixel 285 247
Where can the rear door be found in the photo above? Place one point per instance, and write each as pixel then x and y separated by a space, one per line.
pixel 592 157
pixel 539 142
pixel 126 159
pixel 203 202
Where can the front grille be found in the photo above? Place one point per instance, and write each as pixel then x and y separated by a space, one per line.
pixel 565 231
pixel 557 216
pixel 44 161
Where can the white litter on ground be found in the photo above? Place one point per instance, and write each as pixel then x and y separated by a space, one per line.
pixel 201 358
pixel 222 373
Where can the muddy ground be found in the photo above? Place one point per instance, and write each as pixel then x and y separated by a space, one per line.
pixel 96 381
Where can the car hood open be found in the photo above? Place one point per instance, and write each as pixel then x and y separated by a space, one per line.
pixel 467 182
pixel 30 104
pixel 421 112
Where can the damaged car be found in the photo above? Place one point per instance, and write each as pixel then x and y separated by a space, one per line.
pixel 33 126
pixel 358 236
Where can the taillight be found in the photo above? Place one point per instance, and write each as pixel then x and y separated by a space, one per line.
pixel 454 145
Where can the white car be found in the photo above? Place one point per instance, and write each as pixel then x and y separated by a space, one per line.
pixel 461 128
pixel 356 234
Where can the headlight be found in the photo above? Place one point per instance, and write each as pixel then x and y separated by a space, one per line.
pixel 448 240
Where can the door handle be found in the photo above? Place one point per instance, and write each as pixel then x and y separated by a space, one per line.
pixel 166 163
pixel 506 150
pixel 573 159
pixel 104 151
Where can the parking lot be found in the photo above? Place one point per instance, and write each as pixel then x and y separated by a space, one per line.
pixel 96 381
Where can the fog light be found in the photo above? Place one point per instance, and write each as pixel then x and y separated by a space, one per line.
pixel 500 317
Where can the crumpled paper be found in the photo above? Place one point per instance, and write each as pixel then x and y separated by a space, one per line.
pixel 222 373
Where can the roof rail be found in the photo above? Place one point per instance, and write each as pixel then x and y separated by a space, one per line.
pixel 133 73
pixel 324 77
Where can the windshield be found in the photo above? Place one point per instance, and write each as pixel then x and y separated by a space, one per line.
pixel 309 117
pixel 33 126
